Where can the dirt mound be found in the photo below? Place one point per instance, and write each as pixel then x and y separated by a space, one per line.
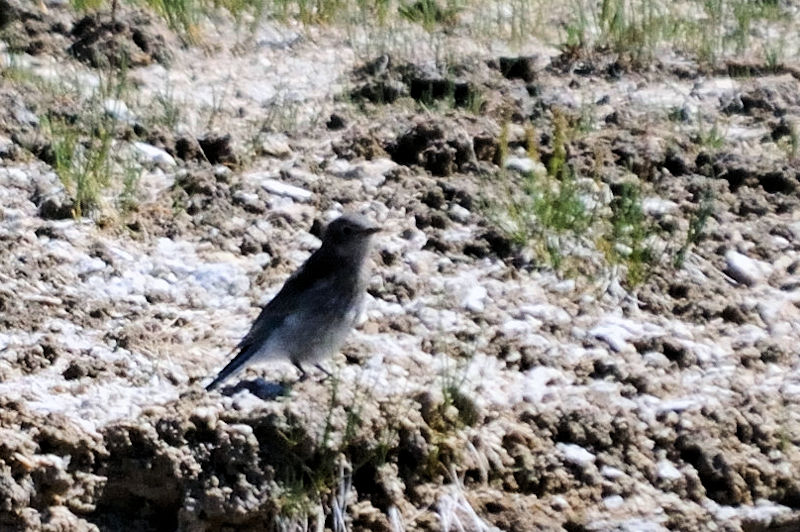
pixel 131 39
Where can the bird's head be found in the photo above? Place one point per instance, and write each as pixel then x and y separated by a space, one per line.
pixel 349 235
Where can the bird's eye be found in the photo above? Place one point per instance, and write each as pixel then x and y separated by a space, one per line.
pixel 347 230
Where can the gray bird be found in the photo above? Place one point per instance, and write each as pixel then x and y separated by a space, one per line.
pixel 318 305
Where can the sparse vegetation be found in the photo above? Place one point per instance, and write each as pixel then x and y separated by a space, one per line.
pixel 710 137
pixel 551 215
pixel 86 5
pixel 82 163
pixel 128 197
pixel 697 224
pixel 791 142
pixel 430 14
pixel 630 234
pixel 167 110
pixel 550 210
pixel 564 164
pixel 83 147
pixel 633 29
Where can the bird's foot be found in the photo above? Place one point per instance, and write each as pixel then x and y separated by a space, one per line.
pixel 327 373
pixel 303 374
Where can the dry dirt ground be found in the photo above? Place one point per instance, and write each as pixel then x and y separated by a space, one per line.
pixel 584 312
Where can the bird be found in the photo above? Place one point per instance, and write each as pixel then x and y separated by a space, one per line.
pixel 310 317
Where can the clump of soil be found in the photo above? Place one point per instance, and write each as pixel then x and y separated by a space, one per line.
pixel 131 39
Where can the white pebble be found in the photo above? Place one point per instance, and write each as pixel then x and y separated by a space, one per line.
pixel 744 269
pixel 154 155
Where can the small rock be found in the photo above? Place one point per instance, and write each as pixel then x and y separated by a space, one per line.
pixel 276 146
pixel 250 201
pixel 459 213
pixel 575 454
pixel 613 502
pixel 559 503
pixel 794 228
pixel 473 299
pixel 23 115
pixel 744 269
pixel 654 359
pixel 154 155
pixel 525 165
pixel 222 173
pixel 658 206
pixel 547 313
pixel 279 188
pixel 342 168
pixel 667 471
pixel 118 110
pixel 611 473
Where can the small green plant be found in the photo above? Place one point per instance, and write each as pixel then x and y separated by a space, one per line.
pixel 218 98
pixel 559 156
pixel 558 210
pixel 86 5
pixel 549 212
pixel 455 397
pixel 711 138
pixel 83 165
pixel 321 11
pixel 239 8
pixel 743 14
pixel 791 144
pixel 452 377
pixel 429 14
pixel 585 121
pixel 697 224
pixel 710 31
pixel 522 18
pixel 81 146
pixel 282 116
pixel 531 143
pixel 131 174
pixel 576 30
pixel 181 15
pixel 557 204
pixel 168 111
pixel 559 207
pixel 630 231
pixel 475 102
pixel 502 146
pixel 773 55
pixel 632 28
pixel 15 70
pixel 374 10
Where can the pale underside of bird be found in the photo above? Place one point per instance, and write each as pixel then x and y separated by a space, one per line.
pixel 310 317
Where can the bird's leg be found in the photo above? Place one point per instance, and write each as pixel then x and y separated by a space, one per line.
pixel 320 367
pixel 299 367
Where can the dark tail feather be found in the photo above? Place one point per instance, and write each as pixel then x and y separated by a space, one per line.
pixel 232 367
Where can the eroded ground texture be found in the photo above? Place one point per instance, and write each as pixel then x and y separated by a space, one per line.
pixel 584 312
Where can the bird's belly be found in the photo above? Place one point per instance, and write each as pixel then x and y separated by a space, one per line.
pixel 307 338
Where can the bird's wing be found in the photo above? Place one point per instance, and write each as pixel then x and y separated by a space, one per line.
pixel 295 294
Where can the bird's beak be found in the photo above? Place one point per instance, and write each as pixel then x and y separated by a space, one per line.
pixel 372 230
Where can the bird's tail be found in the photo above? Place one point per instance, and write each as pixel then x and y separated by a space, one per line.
pixel 234 366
